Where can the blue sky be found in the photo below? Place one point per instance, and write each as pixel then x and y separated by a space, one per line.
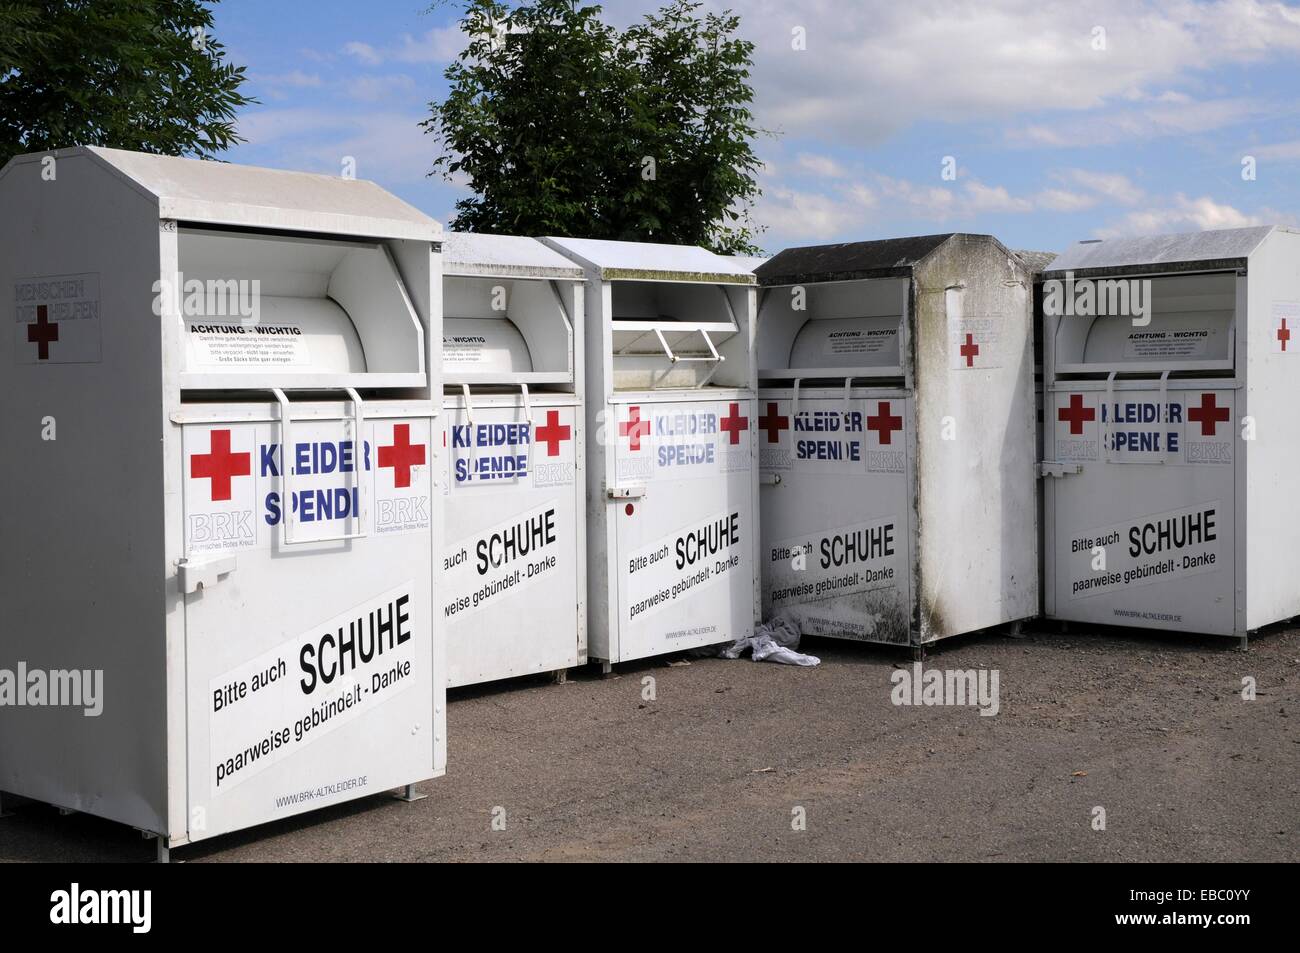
pixel 1064 120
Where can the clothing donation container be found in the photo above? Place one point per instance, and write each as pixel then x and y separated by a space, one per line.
pixel 671 504
pixel 896 436
pixel 1170 369
pixel 514 566
pixel 220 391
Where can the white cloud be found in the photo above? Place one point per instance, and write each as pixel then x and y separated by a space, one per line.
pixel 364 52
pixel 1277 150
pixel 874 67
pixel 295 79
pixel 987 198
pixel 929 201
pixel 823 166
pixel 1062 200
pixel 1187 214
pixel 1110 185
pixel 389 147
pixel 1142 124
pixel 813 216
pixel 378 88
pixel 439 45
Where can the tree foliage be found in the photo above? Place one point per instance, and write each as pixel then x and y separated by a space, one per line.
pixel 131 74
pixel 563 125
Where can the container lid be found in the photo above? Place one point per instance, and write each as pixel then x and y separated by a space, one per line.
pixel 466 254
pixel 645 261
pixel 1035 261
pixel 221 193
pixel 1217 249
pixel 850 261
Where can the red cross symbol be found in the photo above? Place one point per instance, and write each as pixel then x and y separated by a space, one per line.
pixel 1076 413
pixel 552 433
pixel 734 424
pixel 42 333
pixel 1208 414
pixel 773 423
pixel 634 428
pixel 969 350
pixel 1284 334
pixel 220 465
pixel 402 455
pixel 884 423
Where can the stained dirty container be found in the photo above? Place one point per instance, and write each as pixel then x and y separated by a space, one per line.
pixel 896 438
pixel 672 529
pixel 1171 380
pixel 220 392
pixel 515 574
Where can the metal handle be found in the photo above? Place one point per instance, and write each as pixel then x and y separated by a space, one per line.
pixel 528 406
pixel 1053 468
pixel 204 572
pixel 625 492
pixel 469 406
pixel 769 479
pixel 286 470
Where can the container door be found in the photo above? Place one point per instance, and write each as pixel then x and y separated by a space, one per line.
pixel 1143 532
pixel 308 645
pixel 510 598
pixel 684 521
pixel 835 504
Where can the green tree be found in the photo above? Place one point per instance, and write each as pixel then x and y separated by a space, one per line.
pixel 563 125
pixel 131 74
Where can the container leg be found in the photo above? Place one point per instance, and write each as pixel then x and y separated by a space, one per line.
pixel 918 653
pixel 606 669
pixel 560 676
pixel 1243 643
pixel 163 854
pixel 1016 630
pixel 1065 626
pixel 409 794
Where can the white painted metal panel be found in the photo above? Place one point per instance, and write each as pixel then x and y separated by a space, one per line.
pixel 169 597
pixel 838 533
pixel 310 643
pixel 672 533
pixel 514 564
pixel 686 528
pixel 514 585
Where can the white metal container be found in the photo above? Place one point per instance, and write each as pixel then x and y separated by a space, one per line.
pixel 1169 433
pixel 896 437
pixel 672 483
pixel 514 565
pixel 262 619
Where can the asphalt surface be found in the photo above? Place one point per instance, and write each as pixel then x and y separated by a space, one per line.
pixel 730 756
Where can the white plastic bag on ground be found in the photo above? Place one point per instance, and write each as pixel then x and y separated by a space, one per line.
pixel 773 641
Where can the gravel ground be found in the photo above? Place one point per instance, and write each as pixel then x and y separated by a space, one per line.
pixel 1150 727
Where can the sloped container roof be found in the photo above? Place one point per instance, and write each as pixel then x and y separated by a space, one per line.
pixel 503 256
pixel 646 261
pixel 851 261
pixel 220 193
pixel 1217 249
